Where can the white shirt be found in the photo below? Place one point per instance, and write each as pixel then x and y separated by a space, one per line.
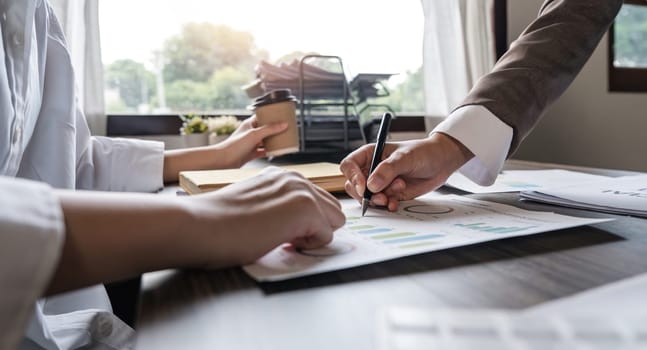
pixel 490 146
pixel 44 139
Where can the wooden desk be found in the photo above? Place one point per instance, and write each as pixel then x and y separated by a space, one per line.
pixel 227 310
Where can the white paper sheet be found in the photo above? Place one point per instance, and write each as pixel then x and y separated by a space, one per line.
pixel 626 297
pixel 622 195
pixel 426 224
pixel 613 316
pixel 415 328
pixel 524 180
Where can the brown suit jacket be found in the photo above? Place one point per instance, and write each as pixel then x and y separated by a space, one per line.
pixel 543 62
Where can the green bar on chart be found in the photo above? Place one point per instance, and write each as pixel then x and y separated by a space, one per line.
pixel 394 235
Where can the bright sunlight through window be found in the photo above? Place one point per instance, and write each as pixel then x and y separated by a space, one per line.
pixel 170 56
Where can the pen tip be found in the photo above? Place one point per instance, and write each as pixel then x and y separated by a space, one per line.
pixel 364 206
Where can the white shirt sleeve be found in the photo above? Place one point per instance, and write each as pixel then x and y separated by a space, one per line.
pixel 483 134
pixel 31 239
pixel 117 164
pixel 123 165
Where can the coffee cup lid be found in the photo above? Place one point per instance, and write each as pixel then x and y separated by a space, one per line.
pixel 274 96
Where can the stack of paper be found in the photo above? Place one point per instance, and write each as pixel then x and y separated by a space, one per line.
pixel 316 81
pixel 325 175
pixel 524 180
pixel 625 195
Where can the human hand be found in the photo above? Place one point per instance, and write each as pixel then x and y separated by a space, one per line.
pixel 246 124
pixel 408 169
pixel 242 146
pixel 246 143
pixel 243 221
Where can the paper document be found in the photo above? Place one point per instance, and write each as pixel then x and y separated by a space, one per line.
pixel 429 223
pixel 414 328
pixel 613 316
pixel 625 195
pixel 524 180
pixel 622 298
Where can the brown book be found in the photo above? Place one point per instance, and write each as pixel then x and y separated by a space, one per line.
pixel 325 175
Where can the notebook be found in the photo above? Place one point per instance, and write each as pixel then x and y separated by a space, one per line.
pixel 325 175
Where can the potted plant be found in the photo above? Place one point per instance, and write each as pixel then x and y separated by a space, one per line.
pixel 221 127
pixel 194 130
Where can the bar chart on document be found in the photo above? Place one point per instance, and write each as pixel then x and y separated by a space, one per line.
pixel 427 224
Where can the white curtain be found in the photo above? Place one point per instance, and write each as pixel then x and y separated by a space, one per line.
pixel 80 21
pixel 458 48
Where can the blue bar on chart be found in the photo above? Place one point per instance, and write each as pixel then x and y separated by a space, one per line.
pixel 374 231
pixel 412 239
pixel 483 227
pixel 519 184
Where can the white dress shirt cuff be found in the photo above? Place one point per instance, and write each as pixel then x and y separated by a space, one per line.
pixel 483 134
pixel 31 235
pixel 132 165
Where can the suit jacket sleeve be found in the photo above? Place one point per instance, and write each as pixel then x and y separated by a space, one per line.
pixel 542 62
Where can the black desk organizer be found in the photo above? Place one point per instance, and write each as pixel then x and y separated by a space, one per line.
pixel 329 105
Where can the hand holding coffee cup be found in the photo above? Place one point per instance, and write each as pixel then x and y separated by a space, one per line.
pixel 274 107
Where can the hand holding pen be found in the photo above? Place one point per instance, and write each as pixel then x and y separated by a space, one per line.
pixel 377 156
pixel 405 169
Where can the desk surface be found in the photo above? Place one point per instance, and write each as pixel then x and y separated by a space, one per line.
pixel 226 309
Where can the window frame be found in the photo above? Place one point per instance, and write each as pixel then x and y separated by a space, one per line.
pixel 128 124
pixel 624 79
pixel 500 21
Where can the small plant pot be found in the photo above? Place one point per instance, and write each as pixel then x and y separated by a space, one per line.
pixel 196 140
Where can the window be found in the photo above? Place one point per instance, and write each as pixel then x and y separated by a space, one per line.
pixel 171 56
pixel 628 48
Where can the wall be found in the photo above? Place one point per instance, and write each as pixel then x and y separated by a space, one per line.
pixel 587 125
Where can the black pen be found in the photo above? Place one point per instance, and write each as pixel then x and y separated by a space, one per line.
pixel 377 156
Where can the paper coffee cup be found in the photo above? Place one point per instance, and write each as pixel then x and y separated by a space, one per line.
pixel 274 107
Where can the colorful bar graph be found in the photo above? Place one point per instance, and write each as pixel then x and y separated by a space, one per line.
pixel 360 227
pixel 412 238
pixel 394 235
pixel 483 227
pixel 351 220
pixel 417 245
pixel 374 231
pixel 518 184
